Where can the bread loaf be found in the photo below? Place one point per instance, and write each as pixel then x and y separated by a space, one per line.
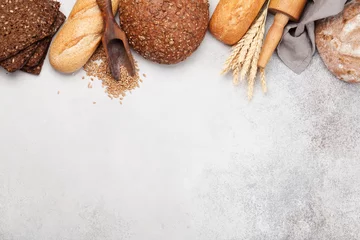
pixel 164 31
pixel 232 18
pixel 338 42
pixel 79 37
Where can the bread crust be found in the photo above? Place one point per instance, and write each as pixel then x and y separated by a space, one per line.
pixel 232 18
pixel 338 43
pixel 164 31
pixel 79 37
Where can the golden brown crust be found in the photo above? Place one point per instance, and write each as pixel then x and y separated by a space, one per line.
pixel 164 31
pixel 79 37
pixel 232 19
pixel 337 40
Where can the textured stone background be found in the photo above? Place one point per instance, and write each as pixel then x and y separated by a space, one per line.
pixel 185 157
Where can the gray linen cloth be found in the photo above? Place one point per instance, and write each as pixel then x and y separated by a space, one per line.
pixel 297 46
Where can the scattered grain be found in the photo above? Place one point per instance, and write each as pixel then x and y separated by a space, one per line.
pixel 98 67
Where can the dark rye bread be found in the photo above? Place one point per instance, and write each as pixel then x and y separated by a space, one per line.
pixel 24 22
pixel 17 61
pixel 44 44
pixel 164 31
pixel 39 53
pixel 36 70
pixel 32 55
pixel 36 62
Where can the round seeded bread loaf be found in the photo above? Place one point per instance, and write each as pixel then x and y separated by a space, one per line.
pixel 164 31
pixel 338 42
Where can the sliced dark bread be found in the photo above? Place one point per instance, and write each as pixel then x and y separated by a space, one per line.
pixel 24 22
pixel 44 44
pixel 34 70
pixel 17 61
pixel 34 65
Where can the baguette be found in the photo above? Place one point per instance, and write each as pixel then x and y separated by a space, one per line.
pixel 79 37
pixel 232 19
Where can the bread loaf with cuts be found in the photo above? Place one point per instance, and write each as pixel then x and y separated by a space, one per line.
pixel 338 42
pixel 79 37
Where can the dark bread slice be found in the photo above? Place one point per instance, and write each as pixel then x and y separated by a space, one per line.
pixel 24 22
pixel 34 66
pixel 17 61
pixel 39 52
pixel 34 70
pixel 32 55
pixel 45 43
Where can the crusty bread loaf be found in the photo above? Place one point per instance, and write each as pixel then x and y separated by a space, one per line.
pixel 79 37
pixel 232 18
pixel 166 31
pixel 337 40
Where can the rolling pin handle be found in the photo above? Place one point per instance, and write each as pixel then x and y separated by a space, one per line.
pixel 273 38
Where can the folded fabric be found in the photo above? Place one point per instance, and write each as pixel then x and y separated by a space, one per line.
pixel 297 46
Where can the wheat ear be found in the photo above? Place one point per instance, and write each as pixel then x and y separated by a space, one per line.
pixel 255 45
pixel 235 50
pixel 240 50
pixel 253 68
pixel 263 80
pixel 245 54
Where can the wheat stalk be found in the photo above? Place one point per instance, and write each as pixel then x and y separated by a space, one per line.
pixel 245 54
pixel 235 50
pixel 253 71
pixel 263 80
pixel 240 50
pixel 253 68
pixel 255 47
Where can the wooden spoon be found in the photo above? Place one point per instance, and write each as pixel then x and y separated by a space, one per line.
pixel 115 42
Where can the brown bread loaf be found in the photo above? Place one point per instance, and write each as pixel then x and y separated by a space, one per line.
pixel 164 31
pixel 338 43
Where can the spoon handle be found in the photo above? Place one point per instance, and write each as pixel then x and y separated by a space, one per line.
pixel 106 9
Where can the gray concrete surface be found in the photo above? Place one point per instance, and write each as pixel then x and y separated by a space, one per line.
pixel 185 157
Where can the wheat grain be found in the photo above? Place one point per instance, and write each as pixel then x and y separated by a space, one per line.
pixel 263 80
pixel 236 73
pixel 256 44
pixel 253 68
pixel 234 55
pixel 251 84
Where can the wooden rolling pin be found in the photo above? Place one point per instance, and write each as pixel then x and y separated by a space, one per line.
pixel 285 10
